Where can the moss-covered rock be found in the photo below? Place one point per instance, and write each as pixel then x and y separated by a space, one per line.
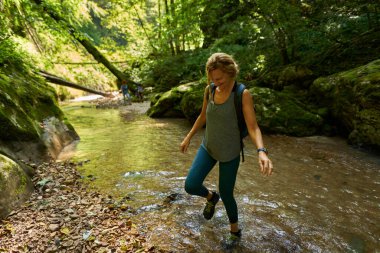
pixel 191 103
pixel 15 185
pixel 295 74
pixel 169 103
pixel 27 106
pixel 353 97
pixel 32 128
pixel 278 112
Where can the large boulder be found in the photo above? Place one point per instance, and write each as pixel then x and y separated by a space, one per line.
pixel 294 74
pixel 169 103
pixel 280 112
pixel 353 97
pixel 32 126
pixel 191 103
pixel 15 185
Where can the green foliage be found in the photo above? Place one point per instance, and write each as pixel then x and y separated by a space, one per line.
pixel 25 101
pixel 189 66
pixel 166 36
pixel 12 54
pixel 170 71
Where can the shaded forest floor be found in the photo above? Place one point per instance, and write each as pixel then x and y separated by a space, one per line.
pixel 63 215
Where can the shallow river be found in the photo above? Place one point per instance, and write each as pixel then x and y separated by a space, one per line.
pixel 324 195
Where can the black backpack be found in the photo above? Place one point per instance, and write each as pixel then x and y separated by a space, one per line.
pixel 238 91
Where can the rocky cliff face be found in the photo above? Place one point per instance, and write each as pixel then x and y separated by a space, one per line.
pixel 32 129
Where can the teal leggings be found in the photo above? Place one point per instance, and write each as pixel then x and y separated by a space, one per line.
pixel 202 165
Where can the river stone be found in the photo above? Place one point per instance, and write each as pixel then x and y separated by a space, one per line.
pixel 15 185
pixel 353 98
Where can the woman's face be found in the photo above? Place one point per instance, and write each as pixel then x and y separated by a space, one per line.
pixel 220 78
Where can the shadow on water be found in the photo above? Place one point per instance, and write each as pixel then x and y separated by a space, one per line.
pixel 323 197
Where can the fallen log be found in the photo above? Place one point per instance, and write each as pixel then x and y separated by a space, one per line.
pixel 88 45
pixel 60 81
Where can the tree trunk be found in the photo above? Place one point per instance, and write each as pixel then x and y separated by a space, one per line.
pixel 159 21
pixel 57 80
pixel 89 47
pixel 170 36
pixel 282 46
pixel 145 32
pixel 174 27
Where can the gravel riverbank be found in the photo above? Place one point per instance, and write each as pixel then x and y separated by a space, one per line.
pixel 64 215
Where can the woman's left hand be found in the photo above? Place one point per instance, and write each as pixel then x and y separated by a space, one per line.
pixel 266 166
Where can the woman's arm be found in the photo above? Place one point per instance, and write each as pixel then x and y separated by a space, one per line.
pixel 266 166
pixel 198 124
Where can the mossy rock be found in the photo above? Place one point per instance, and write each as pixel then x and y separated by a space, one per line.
pixel 15 185
pixel 27 105
pixel 353 97
pixel 299 75
pixel 165 104
pixel 279 112
pixel 25 101
pixel 295 74
pixel 154 98
pixel 168 104
pixel 191 103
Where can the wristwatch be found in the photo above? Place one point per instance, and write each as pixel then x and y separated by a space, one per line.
pixel 262 150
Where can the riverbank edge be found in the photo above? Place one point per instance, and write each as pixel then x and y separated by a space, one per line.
pixel 64 215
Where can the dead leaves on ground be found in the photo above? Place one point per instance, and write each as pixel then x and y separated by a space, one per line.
pixel 62 215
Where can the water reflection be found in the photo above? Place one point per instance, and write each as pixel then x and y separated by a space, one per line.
pixel 323 196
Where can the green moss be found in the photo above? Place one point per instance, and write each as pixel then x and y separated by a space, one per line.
pixel 23 182
pixel 353 97
pixel 2 182
pixel 191 103
pixel 278 112
pixel 166 105
pixel 25 101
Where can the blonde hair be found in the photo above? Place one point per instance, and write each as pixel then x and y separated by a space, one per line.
pixel 221 61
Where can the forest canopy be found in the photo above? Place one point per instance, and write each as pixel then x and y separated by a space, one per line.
pixel 162 43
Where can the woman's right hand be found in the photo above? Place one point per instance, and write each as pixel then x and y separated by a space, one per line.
pixel 184 144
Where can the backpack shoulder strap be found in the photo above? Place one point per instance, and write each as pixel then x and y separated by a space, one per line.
pixel 238 100
pixel 239 89
pixel 211 91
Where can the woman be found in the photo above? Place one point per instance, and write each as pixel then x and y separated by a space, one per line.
pixel 221 142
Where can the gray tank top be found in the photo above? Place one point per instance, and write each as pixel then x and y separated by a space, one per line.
pixel 222 137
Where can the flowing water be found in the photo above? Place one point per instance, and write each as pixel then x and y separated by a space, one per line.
pixel 324 195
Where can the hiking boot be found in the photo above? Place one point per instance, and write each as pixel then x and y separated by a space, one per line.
pixel 233 240
pixel 209 210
